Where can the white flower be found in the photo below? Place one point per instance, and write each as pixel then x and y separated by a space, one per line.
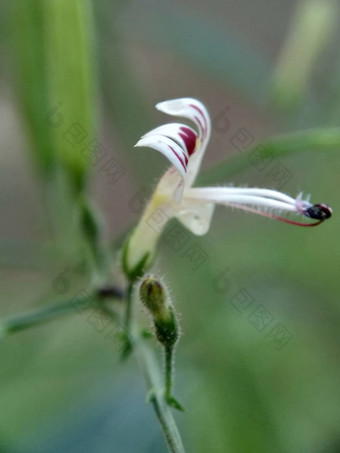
pixel 193 207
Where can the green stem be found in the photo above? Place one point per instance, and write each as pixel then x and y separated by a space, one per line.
pixel 129 307
pixel 41 315
pixel 168 372
pixel 144 355
pixel 153 380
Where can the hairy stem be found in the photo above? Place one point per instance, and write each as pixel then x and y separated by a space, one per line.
pixel 143 353
pixel 153 380
pixel 168 371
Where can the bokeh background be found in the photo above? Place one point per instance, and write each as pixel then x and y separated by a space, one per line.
pixel 247 385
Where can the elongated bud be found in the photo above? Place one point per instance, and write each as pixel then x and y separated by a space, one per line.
pixel 155 298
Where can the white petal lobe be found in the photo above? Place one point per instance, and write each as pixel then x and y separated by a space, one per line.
pixel 170 149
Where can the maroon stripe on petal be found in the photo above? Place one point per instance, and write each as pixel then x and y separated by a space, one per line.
pixel 201 125
pixel 178 157
pixel 204 129
pixel 189 137
pixel 199 111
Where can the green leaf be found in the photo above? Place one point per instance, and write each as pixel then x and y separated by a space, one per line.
pixel 29 60
pixel 277 147
pixel 70 82
pixel 171 401
pixel 53 64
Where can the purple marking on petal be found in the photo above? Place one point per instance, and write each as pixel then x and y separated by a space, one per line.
pixel 189 137
pixel 199 111
pixel 204 129
pixel 178 157
pixel 201 126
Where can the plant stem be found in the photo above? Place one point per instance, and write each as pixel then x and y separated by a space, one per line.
pixel 129 306
pixel 41 315
pixel 144 355
pixel 168 372
pixel 153 380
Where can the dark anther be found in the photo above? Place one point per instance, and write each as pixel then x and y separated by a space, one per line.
pixel 319 212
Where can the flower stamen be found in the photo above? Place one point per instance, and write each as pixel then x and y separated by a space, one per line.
pixel 320 212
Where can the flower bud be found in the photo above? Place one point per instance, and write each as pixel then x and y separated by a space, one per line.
pixel 155 298
pixel 167 331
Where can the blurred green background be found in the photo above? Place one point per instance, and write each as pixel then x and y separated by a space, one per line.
pixel 275 68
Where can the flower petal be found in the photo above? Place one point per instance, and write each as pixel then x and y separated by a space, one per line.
pixel 195 111
pixel 171 185
pixel 170 149
pixel 189 108
pixel 222 193
pixel 262 202
pixel 181 133
pixel 239 197
pixel 196 217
